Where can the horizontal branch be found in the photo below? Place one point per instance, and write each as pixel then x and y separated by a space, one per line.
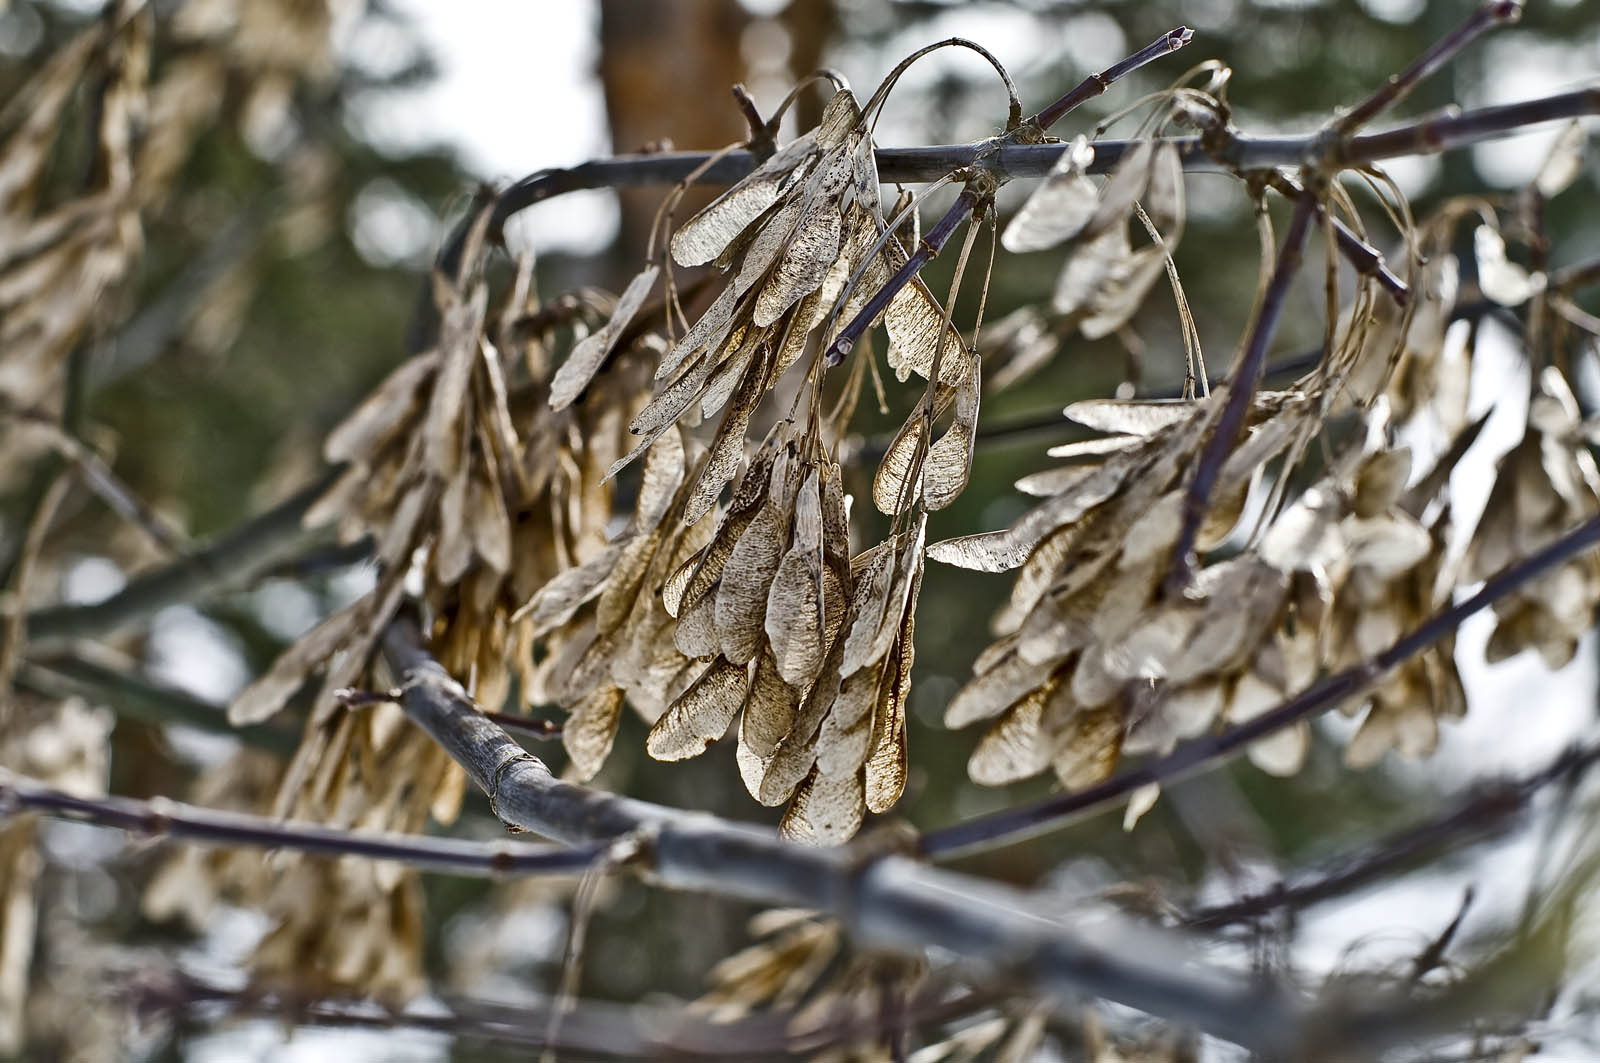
pixel 170 821
pixel 1012 825
pixel 1240 151
pixel 884 900
pixel 234 560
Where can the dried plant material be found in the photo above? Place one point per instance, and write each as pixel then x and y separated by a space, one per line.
pixel 701 715
pixel 1140 801
pixel 1060 206
pixel 948 465
pixel 1501 279
pixel 703 237
pixel 587 357
pixel 1546 484
pixel 1564 163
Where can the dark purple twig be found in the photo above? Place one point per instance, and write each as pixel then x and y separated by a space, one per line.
pixel 1241 388
pixel 1492 14
pixel 1014 824
pixel 542 729
pixel 170 820
pixel 930 246
pixel 1362 256
pixel 1096 84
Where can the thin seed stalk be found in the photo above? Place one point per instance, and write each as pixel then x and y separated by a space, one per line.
pixel 1241 388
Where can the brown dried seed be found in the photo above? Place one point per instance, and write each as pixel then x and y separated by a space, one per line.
pixel 586 358
pixel 700 715
pixel 825 810
pixel 590 730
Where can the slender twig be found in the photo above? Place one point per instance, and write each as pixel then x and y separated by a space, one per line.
pixel 141 698
pixel 1488 811
pixel 231 561
pixel 926 250
pixel 615 1031
pixel 1241 388
pixel 14 629
pixel 97 475
pixel 884 900
pixel 1014 824
pixel 1096 84
pixel 1492 14
pixel 166 820
pixel 1362 256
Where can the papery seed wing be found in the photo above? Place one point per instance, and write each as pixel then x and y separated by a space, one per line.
pixel 769 710
pixel 915 322
pixel 1088 266
pixel 773 239
pixel 1002 551
pixel 840 117
pixel 561 597
pixel 1060 207
pixel 268 693
pixel 590 730
pixel 490 523
pixel 1087 747
pixel 1502 280
pixel 1126 184
pixel 825 811
pixel 815 247
pixel 887 761
pixel 459 327
pixel 1138 418
pixel 949 461
pixel 747 580
pixel 1564 163
pixel 696 633
pixel 381 412
pixel 992 691
pixel 709 331
pixel 587 357
pixel 845 738
pixel 702 237
pixel 873 587
pixel 1123 292
pixel 1016 747
pixel 701 714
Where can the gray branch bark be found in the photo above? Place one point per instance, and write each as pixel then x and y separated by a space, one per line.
pixel 884 900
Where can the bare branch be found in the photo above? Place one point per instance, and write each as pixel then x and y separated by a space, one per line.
pixel 885 900
pixel 233 560
pixel 168 820
pixel 1096 84
pixel 1488 16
